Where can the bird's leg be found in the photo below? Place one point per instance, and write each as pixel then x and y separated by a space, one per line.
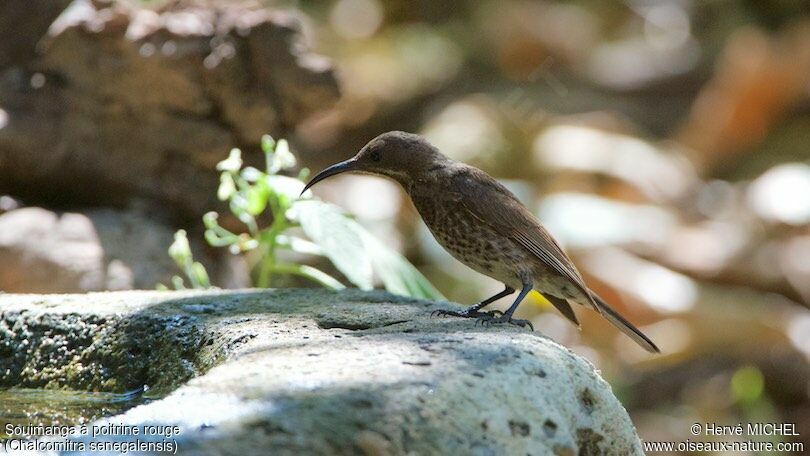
pixel 507 316
pixel 473 310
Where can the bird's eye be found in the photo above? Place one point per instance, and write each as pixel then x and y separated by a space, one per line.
pixel 375 156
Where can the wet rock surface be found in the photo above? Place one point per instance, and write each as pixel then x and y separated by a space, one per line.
pixel 315 372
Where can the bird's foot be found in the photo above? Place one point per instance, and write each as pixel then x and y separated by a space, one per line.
pixel 468 313
pixel 489 320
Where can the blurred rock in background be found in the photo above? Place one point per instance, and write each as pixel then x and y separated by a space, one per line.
pixel 136 102
pixel 48 252
pixel 115 104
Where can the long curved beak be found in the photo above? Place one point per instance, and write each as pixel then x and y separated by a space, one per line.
pixel 337 168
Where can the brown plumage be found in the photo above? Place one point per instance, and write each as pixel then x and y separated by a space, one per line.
pixel 483 225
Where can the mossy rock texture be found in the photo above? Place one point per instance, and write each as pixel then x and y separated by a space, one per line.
pixel 315 372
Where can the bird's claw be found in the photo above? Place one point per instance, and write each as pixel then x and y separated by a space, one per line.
pixel 489 320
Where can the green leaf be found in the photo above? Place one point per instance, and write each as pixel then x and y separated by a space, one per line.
pixel 397 274
pixel 320 277
pixel 296 244
pixel 339 237
pixel 310 273
pixel 250 192
pixel 327 226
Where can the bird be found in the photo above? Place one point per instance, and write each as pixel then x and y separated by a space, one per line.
pixel 484 226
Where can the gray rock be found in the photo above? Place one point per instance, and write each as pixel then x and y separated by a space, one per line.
pixel 315 372
pixel 141 103
pixel 43 251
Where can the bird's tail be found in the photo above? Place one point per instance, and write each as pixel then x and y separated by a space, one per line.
pixel 625 326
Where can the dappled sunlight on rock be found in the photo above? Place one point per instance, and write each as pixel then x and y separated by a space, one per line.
pixel 59 252
pixel 306 371
pixel 195 408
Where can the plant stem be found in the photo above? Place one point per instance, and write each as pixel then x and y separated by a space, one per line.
pixel 189 270
pixel 267 266
pixel 269 238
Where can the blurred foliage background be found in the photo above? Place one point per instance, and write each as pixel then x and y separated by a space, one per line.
pixel 666 144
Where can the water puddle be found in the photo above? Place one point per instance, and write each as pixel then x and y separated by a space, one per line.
pixel 22 408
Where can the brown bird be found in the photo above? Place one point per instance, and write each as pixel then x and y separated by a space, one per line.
pixel 483 225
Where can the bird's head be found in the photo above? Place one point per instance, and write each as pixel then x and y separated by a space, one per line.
pixel 401 156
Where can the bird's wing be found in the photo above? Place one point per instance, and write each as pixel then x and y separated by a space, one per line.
pixel 494 205
pixel 564 308
pixel 625 326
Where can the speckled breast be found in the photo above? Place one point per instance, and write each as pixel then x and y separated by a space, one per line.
pixel 470 241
